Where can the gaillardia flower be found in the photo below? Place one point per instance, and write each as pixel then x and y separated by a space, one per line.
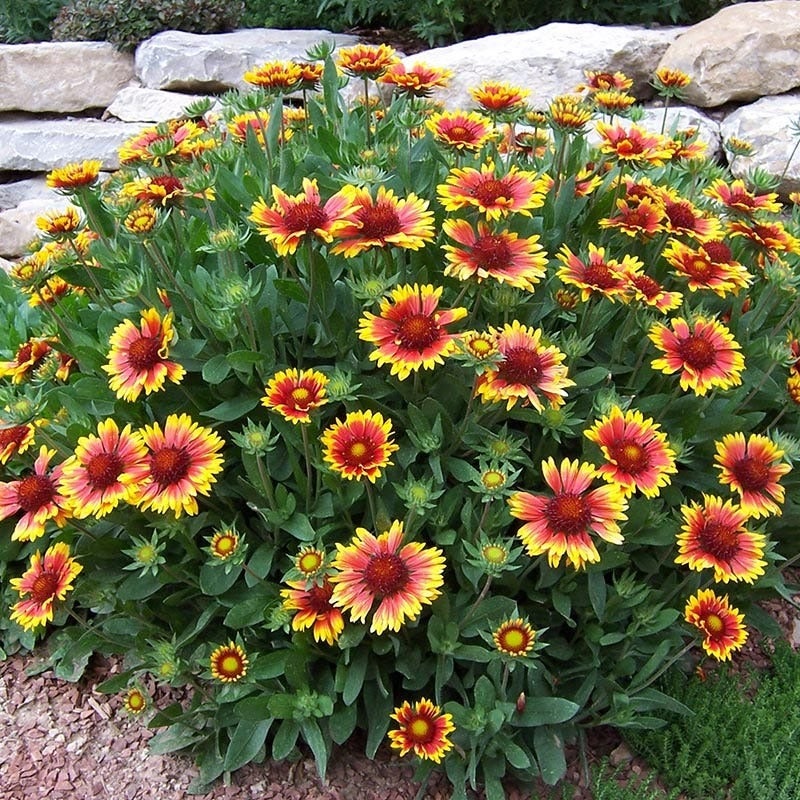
pixel 721 624
pixel 37 496
pixel 14 439
pixel 293 394
pixel 400 578
pixel 710 266
pixel 460 130
pixel 528 370
pixel 561 523
pixel 48 578
pixel 410 332
pixel 360 446
pixel 636 450
pixel 514 637
pixel 713 536
pixel 498 97
pixel 224 544
pixel 74 176
pixel 275 76
pixel 229 663
pixel 312 604
pixel 182 461
pixel 633 145
pixel 752 469
pixel 418 80
pixel 137 360
pixel 365 60
pixel 97 477
pixel 597 274
pixel 705 354
pixel 423 729
pixel 134 701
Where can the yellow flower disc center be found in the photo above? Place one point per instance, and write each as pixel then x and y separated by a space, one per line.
pixel 229 665
pixel 494 554
pixel 493 479
pixel 714 624
pixel 358 449
pixel 309 562
pixel 420 729
pixel 300 394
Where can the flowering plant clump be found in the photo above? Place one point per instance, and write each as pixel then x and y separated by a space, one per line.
pixel 455 427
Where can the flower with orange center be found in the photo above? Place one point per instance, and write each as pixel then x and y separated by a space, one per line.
pixel 141 220
pixel 460 130
pixel 290 218
pixel 650 292
pixel 611 101
pixel 721 624
pixel 684 147
pixel 161 190
pixel 637 452
pixel 604 81
pixel 137 360
pixel 771 238
pixel 366 60
pixel 683 217
pixel 500 255
pixel 293 394
pixel 229 663
pixel 632 146
pixel 498 97
pixel 597 275
pixel 569 113
pixel 182 461
pixel 275 76
pixel 737 197
pixel 309 561
pixel 713 536
pixel 561 523
pixel 224 544
pixel 74 176
pixel 310 74
pixel 134 701
pixel 643 218
pixel 387 220
pixel 97 477
pixel 514 637
pixel 492 194
pixel 37 496
pixel 360 446
pixel 400 578
pixel 479 344
pixel 175 139
pixel 705 353
pixel 423 729
pixel 527 370
pixel 670 81
pixel 410 332
pixel 48 578
pixel 418 80
pixel 312 602
pixel 752 468
pixel 710 266
pixel 59 224
pixel 14 439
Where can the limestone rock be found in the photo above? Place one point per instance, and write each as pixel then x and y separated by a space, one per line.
pixel 135 104
pixel 12 194
pixel 215 62
pixel 18 225
pixel 61 77
pixel 39 145
pixel 767 125
pixel 549 60
pixel 743 52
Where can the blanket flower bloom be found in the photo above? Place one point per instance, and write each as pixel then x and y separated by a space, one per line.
pixel 514 637
pixel 499 97
pixel 400 578
pixel 14 440
pixel 709 266
pixel 560 524
pixel 417 80
pixel 229 663
pixel 597 274
pixel 461 130
pixel 294 394
pixel 423 729
pixel 359 446
pixel 74 176
pixel 312 604
pixel 722 625
pixel 366 61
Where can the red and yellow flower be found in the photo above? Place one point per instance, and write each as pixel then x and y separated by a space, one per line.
pixel 423 729
pixel 59 224
pixel 637 452
pixel 499 97
pixel 275 76
pixel 514 637
pixel 737 197
pixel 48 578
pixel 642 218
pixel 528 370
pixel 713 536
pixel 134 701
pixel 649 291
pixel 561 523
pixel 15 439
pixel 418 80
pixel 704 352
pixel 224 544
pixel 28 357
pixel 360 446
pixel 500 255
pixel 633 145
pixel 400 578
pixel 607 277
pixel 771 238
pixel 294 394
pixel 722 625
pixel 137 360
pixel 312 604
pixel 410 332
pixel 569 113
pixel 365 60
pixel 461 130
pixel 160 190
pixel 683 217
pixel 229 663
pixel 710 266
pixel 97 477
pixel 74 175
pixel 752 469
pixel 603 81
pixel 182 461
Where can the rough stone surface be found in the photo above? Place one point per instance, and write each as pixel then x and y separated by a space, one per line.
pixel 766 124
pixel 135 104
pixel 549 60
pixel 39 145
pixel 215 62
pixel 743 52
pixel 18 225
pixel 61 77
pixel 12 194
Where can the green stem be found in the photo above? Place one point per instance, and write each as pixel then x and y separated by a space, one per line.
pixel 371 501
pixel 309 476
pixel 478 599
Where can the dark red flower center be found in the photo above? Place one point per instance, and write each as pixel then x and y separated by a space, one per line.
pixel 648 286
pixel 169 465
pixel 300 397
pixel 521 365
pixel 417 332
pixel 718 252
pixel 143 353
pixel 13 436
pixel 379 221
pixel 489 191
pixel 680 215
pixel 714 625
pixel 718 539
pixel 753 474
pixel 698 267
pixel 459 133
pixel 697 352
pixel 35 491
pixel 45 586
pixel 491 252
pixel 386 574
pixel 318 598
pixel 568 513
pixel 629 456
pixel 599 275
pixel 103 470
pixel 305 216
pixel 420 730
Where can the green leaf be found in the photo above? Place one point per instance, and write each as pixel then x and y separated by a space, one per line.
pixel 176 737
pixel 516 756
pixel 116 684
pixel 285 739
pixel 299 526
pixel 232 409
pixel 379 706
pixel 215 580
pixel 318 744
pixel 136 587
pixel 247 740
pixel 342 723
pixel 546 711
pixel 291 289
pixel 216 369
pixel 249 611
pixel 282 705
pixel 597 592
pixel 355 677
pixel 271 665
pixel 254 709
pixel 550 754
